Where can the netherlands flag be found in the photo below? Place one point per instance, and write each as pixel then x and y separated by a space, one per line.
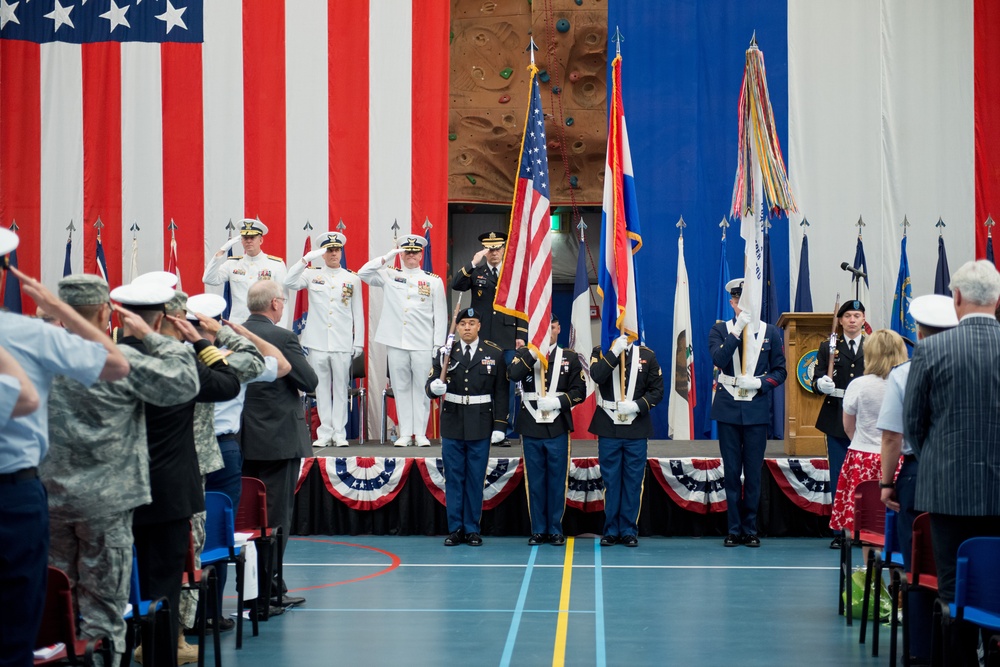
pixel 620 235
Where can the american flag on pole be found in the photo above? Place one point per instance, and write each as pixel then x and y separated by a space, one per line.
pixel 525 285
pixel 621 238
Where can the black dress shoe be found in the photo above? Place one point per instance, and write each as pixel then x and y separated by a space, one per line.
pixel 474 540
pixel 503 443
pixel 557 539
pixel 608 541
pixel 287 601
pixel 454 539
pixel 272 610
pixel 751 541
pixel 537 538
pixel 225 624
pixel 630 540
pixel 837 543
pixel 732 540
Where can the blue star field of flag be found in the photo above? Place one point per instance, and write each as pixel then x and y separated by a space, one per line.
pixel 91 21
pixel 534 159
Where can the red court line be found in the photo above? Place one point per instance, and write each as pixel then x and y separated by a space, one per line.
pixel 394 563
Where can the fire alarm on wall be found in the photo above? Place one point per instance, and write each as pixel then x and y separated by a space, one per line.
pixel 595 313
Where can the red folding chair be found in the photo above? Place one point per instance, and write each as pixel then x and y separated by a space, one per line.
pixel 59 627
pixel 251 517
pixel 869 526
pixel 205 581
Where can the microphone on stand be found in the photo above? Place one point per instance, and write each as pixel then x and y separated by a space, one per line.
pixel 858 273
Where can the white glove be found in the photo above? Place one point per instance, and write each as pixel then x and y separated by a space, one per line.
pixel 358 351
pixel 443 351
pixel 438 387
pixel 389 255
pixel 628 407
pixel 549 403
pixel 619 345
pixel 742 320
pixel 498 436
pixel 748 382
pixel 825 385
pixel 313 254
pixel 229 244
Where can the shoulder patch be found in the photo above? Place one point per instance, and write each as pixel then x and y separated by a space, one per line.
pixel 276 258
pixel 433 275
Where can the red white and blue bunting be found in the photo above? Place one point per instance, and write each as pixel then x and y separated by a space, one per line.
pixel 585 491
pixel 502 477
pixel 364 482
pixel 806 482
pixel 305 465
pixel 694 484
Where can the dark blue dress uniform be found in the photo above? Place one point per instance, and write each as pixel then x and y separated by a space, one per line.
pixel 847 365
pixel 473 408
pixel 743 424
pixel 498 327
pixel 546 446
pixel 621 447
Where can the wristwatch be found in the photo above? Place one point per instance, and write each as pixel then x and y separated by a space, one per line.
pixel 883 485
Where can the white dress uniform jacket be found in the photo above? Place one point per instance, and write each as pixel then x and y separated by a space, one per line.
pixel 336 320
pixel 242 272
pixel 415 315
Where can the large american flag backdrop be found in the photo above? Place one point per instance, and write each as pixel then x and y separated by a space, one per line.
pixel 199 112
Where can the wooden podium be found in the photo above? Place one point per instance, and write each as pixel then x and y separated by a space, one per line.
pixel 804 333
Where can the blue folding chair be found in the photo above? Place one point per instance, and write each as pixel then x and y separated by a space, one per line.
pixel 889 557
pixel 220 548
pixel 977 586
pixel 141 617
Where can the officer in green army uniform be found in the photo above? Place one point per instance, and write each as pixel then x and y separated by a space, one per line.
pixel 97 469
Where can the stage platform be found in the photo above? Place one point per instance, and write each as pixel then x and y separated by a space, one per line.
pixel 378 489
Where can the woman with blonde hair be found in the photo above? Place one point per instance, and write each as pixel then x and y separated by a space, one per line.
pixel 884 350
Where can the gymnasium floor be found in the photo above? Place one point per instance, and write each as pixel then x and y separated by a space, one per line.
pixel 379 600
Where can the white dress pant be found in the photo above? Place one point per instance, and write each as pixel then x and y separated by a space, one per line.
pixel 408 371
pixel 333 370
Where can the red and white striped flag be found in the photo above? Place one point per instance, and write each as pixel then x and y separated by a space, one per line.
pixel 205 111
pixel 525 286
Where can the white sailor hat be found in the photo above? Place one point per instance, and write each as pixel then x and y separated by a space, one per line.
pixel 8 241
pixel 209 305
pixel 934 310
pixel 164 278
pixel 412 243
pixel 735 287
pixel 252 227
pixel 330 240
pixel 142 296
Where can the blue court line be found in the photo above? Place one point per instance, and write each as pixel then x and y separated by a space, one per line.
pixel 600 651
pixel 508 649
pixel 303 610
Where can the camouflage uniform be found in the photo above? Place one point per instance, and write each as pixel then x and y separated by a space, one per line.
pixel 248 363
pixel 97 472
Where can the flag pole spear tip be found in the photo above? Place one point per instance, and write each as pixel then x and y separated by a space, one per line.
pixel 904 224
pixel 989 226
pixel 940 225
pixel 681 225
pixel 13 225
pixel 308 226
pixel 341 226
pixel 753 39
pixel 618 39
pixel 427 223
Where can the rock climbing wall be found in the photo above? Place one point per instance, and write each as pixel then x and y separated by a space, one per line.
pixel 489 96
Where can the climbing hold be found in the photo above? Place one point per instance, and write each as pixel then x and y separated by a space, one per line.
pixel 562 25
pixel 569 121
pixel 579 3
pixel 574 76
pixel 504 99
pixel 556 90
pixel 574 182
pixel 472 179
pixel 506 72
pixel 452 136
pixel 543 76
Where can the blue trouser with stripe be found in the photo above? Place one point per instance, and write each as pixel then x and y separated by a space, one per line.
pixel 546 464
pixel 464 477
pixel 623 467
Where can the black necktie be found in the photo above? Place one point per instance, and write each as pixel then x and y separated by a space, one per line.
pixel 851 345
pixel 467 357
pixel 493 270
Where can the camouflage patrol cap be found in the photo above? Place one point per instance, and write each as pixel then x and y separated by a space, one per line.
pixel 84 290
pixel 177 303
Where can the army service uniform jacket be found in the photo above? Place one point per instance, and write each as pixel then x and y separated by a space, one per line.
pixel 571 390
pixel 501 328
pixel 846 367
pixel 648 392
pixel 476 402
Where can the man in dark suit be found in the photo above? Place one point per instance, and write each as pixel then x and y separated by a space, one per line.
pixel 274 434
pixel 510 333
pixel 741 409
pixel 473 411
pixel 622 425
pixel 952 422
pixel 848 363
pixel 544 424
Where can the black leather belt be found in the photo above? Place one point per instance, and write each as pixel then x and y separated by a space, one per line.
pixel 909 458
pixel 19 476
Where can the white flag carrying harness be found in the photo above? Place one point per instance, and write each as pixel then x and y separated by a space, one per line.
pixel 756 343
pixel 611 407
pixel 540 416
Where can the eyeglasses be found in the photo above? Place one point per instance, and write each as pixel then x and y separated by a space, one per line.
pixel 283 299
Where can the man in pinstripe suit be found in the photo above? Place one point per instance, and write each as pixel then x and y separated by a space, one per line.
pixel 952 421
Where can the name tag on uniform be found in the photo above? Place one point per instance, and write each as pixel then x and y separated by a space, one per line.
pixel 319 280
pixel 400 279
